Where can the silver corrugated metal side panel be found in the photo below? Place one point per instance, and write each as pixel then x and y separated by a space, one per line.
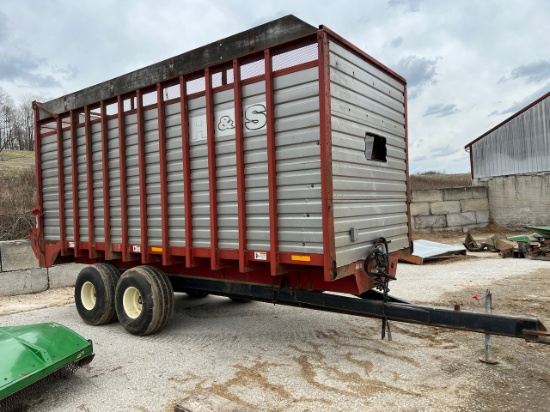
pixel 298 152
pixel 50 191
pixel 521 145
pixel 97 176
pixel 68 181
pixel 113 163
pixel 255 171
pixel 174 156
pixel 226 170
pixel 82 183
pixel 368 195
pixel 198 150
pixel 132 179
pixel 152 177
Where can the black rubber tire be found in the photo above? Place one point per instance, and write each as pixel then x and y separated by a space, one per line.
pixel 104 278
pixel 169 293
pixel 196 294
pixel 156 298
pixel 240 300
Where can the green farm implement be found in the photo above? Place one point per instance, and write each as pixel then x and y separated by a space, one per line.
pixel 33 355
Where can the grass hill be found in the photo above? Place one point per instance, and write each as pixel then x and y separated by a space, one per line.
pixel 15 160
pixel 17 194
pixel 432 180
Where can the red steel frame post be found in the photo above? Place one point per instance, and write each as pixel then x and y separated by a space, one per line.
pixel 409 217
pixel 329 251
pixel 212 183
pixel 39 200
pixel 123 182
pixel 271 167
pixel 163 176
pixel 186 158
pixel 239 149
pixel 89 183
pixel 142 178
pixel 74 172
pixel 106 192
pixel 61 187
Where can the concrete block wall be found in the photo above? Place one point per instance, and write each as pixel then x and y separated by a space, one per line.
pixel 457 208
pixel 20 273
pixel 519 200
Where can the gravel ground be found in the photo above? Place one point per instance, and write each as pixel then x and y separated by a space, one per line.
pixel 275 358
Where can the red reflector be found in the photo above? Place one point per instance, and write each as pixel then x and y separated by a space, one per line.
pixel 36 211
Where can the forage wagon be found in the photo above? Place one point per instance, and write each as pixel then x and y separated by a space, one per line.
pixel 270 165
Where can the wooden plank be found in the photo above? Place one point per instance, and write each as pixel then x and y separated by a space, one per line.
pixel 415 260
pixel 267 35
pixel 208 402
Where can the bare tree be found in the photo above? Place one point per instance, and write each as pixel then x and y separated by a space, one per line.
pixel 8 122
pixel 25 122
pixel 17 122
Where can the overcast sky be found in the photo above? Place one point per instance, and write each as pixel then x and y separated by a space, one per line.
pixel 469 64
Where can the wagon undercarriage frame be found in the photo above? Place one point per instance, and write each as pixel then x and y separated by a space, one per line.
pixel 371 304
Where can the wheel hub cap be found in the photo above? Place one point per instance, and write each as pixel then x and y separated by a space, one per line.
pixel 132 302
pixel 88 295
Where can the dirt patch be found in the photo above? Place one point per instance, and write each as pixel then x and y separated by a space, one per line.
pixel 522 377
pixel 528 295
pixel 25 303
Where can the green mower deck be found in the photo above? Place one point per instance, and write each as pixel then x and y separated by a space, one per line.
pixel 31 353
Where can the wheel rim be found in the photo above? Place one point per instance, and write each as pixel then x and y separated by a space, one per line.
pixel 88 295
pixel 132 302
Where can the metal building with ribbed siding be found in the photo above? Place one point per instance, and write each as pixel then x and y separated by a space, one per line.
pixel 513 161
